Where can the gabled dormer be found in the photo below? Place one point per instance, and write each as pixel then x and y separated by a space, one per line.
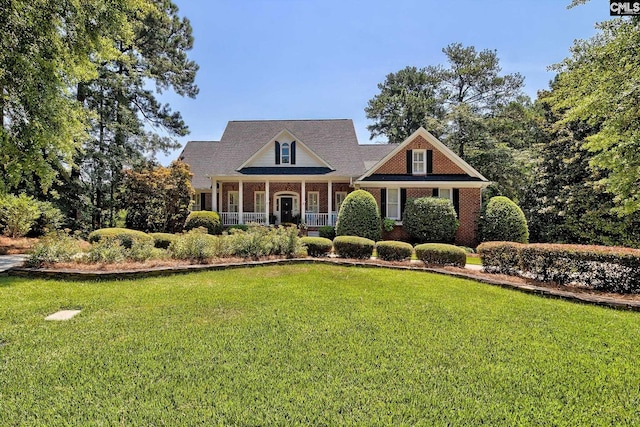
pixel 285 150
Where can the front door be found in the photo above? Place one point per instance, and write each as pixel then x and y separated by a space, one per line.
pixel 286 209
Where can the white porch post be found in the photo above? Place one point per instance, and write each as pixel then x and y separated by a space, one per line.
pixel 303 203
pixel 329 203
pixel 214 195
pixel 240 202
pixel 267 199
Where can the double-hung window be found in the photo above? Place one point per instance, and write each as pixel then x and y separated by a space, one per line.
pixel 285 152
pixel 419 162
pixel 393 203
pixel 259 201
pixel 233 201
pixel 313 202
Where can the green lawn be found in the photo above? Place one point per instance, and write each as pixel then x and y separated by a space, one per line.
pixel 475 260
pixel 310 345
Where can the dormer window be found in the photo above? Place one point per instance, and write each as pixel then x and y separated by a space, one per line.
pixel 285 153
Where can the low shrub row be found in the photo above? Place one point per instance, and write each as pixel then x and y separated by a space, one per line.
pixel 390 250
pixel 441 254
pixel 125 236
pixel 317 246
pixel 113 245
pixel 610 269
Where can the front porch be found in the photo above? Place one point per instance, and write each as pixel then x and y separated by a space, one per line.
pixel 315 204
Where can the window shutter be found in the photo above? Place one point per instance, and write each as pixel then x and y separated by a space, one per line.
pixel 429 161
pixel 435 192
pixel 203 203
pixel 456 200
pixel 383 202
pixel 409 162
pixel 277 145
pixel 403 201
pixel 293 153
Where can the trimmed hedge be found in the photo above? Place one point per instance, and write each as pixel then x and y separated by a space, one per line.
pixel 391 250
pixel 430 219
pixel 605 268
pixel 500 257
pixel 353 247
pixel 359 216
pixel 441 254
pixel 162 240
pixel 504 221
pixel 207 219
pixel 327 231
pixel 124 235
pixel 317 246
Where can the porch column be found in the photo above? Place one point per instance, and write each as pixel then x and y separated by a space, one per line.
pixel 267 199
pixel 303 204
pixel 214 195
pixel 329 203
pixel 240 202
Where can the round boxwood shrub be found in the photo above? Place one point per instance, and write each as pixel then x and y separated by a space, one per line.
pixel 124 235
pixel 391 250
pixel 504 221
pixel 162 240
pixel 359 216
pixel 317 246
pixel 207 219
pixel 441 254
pixel 353 247
pixel 327 231
pixel 430 219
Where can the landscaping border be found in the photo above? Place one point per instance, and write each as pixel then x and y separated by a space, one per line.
pixel 605 301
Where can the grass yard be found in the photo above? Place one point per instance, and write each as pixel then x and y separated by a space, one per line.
pixel 311 345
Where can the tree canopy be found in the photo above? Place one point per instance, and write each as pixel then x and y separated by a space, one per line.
pixel 599 84
pixel 470 105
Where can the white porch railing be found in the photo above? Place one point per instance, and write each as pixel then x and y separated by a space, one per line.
pixel 233 218
pixel 311 219
pixel 229 218
pixel 320 219
pixel 255 217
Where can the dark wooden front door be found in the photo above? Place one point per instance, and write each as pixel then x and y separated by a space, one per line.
pixel 286 209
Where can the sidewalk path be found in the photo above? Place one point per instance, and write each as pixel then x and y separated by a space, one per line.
pixel 10 261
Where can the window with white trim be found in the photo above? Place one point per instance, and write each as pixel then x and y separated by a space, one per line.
pixel 259 201
pixel 340 196
pixel 232 204
pixel 285 151
pixel 419 162
pixel 393 203
pixel 313 202
pixel 445 193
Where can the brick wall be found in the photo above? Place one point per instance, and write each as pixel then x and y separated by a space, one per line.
pixel 398 163
pixel 469 214
pixel 469 211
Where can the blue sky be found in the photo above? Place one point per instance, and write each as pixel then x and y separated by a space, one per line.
pixel 313 59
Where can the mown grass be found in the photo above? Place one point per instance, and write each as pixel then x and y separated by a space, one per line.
pixel 311 345
pixel 475 260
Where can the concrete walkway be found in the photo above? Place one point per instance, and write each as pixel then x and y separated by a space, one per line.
pixel 10 261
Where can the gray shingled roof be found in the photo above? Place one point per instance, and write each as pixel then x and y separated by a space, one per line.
pixel 333 140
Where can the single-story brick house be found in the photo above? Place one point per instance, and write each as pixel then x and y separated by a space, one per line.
pixel 273 170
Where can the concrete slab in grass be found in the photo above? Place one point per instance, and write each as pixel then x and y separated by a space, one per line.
pixel 62 315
